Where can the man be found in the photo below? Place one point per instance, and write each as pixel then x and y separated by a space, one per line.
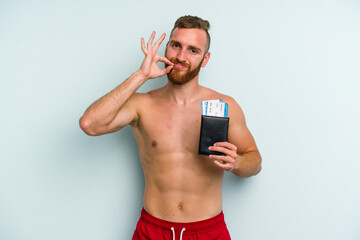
pixel 183 190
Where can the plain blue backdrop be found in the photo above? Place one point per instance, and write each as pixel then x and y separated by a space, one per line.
pixel 293 66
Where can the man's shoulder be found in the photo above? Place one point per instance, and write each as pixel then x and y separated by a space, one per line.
pixel 143 96
pixel 144 99
pixel 211 94
pixel 138 101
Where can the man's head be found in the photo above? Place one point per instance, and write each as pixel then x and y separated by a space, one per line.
pixel 193 22
pixel 188 48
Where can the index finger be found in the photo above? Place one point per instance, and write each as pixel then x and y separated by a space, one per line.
pixel 165 60
pixel 226 145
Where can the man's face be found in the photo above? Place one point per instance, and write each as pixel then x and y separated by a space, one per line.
pixel 187 50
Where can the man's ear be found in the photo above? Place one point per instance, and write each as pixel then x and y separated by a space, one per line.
pixel 206 59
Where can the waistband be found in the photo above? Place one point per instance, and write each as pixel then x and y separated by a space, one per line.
pixel 203 225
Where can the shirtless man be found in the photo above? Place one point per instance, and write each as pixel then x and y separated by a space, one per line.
pixel 183 190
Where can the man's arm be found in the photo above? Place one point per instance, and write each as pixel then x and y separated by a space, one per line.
pixel 242 155
pixel 117 109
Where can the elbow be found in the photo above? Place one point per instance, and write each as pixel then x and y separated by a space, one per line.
pixel 258 170
pixel 85 125
pixel 251 174
pixel 259 167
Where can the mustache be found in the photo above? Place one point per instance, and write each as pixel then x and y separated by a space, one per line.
pixel 176 61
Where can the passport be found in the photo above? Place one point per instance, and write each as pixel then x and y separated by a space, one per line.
pixel 214 127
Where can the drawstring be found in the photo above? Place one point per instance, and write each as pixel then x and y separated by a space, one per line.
pixel 182 231
pixel 173 231
pixel 181 234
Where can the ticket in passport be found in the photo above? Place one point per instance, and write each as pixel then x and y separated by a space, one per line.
pixel 216 108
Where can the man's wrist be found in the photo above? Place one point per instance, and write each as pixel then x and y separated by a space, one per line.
pixel 236 166
pixel 140 76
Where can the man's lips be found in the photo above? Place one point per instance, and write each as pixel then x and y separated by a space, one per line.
pixel 177 65
pixel 180 65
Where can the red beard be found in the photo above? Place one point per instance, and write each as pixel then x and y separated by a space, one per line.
pixel 175 75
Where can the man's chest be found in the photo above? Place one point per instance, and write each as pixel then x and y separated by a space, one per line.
pixel 163 128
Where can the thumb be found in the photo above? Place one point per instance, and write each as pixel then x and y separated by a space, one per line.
pixel 168 69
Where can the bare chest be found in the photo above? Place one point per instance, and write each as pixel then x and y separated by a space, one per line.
pixel 166 129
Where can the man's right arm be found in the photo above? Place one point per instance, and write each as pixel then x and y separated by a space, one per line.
pixel 118 108
pixel 113 111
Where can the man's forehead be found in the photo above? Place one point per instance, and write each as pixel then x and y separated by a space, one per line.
pixel 190 36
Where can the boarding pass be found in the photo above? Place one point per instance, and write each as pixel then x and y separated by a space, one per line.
pixel 216 108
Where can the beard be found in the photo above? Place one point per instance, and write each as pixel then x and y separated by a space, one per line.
pixel 177 78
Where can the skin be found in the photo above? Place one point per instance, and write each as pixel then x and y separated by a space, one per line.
pixel 180 185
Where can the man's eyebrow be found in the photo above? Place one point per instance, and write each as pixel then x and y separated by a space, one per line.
pixel 175 42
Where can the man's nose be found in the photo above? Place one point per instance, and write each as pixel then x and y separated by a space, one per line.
pixel 181 56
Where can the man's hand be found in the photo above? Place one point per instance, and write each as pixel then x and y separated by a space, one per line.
pixel 149 68
pixel 228 161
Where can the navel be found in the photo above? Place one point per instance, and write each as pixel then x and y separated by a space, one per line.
pixel 154 143
pixel 180 206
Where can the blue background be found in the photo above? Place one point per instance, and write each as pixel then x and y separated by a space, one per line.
pixel 293 66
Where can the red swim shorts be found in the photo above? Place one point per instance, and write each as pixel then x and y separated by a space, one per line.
pixel 152 228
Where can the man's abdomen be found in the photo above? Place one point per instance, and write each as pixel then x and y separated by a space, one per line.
pixel 181 191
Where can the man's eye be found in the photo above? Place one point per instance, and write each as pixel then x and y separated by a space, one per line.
pixel 175 45
pixel 193 51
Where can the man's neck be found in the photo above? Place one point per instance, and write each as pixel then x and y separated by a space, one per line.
pixel 183 94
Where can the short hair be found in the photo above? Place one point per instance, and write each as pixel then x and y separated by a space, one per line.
pixel 193 22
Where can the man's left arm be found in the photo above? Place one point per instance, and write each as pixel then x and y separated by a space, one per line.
pixel 242 155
